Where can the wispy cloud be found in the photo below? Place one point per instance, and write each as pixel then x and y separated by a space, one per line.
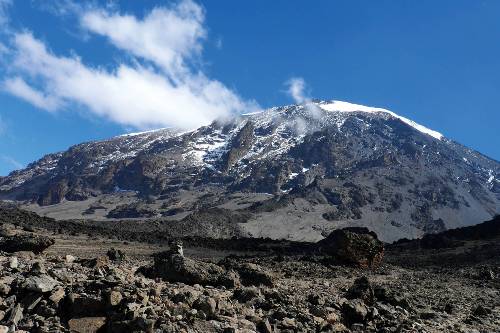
pixel 18 87
pixel 11 161
pixel 4 7
pixel 296 87
pixel 162 86
pixel 297 90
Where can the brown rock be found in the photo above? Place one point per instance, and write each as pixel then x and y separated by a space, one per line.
pixel 57 295
pixel 99 262
pixel 86 324
pixel 113 298
pixel 206 304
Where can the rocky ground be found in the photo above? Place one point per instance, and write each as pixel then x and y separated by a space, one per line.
pixel 57 282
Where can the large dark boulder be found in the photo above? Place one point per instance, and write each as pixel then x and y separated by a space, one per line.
pixel 174 267
pixel 25 242
pixel 353 246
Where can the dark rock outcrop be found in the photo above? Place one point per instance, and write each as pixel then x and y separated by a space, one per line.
pixel 25 242
pixel 357 246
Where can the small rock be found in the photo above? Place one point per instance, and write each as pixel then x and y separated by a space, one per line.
pixel 115 255
pixel 86 324
pixel 16 315
pixel 289 323
pixel 481 311
pixel 4 329
pixel 449 308
pixel 4 289
pixel 361 289
pixel 114 298
pixel 99 262
pixel 31 301
pixel 428 315
pixel 13 262
pixel 69 259
pixel 246 294
pixel 37 268
pixel 332 318
pixel 206 304
pixel 57 295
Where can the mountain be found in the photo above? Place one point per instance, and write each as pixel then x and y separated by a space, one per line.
pixel 294 172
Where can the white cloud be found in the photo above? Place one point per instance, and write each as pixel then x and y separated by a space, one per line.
pixel 296 89
pixel 161 87
pixel 166 36
pixel 18 87
pixel 296 86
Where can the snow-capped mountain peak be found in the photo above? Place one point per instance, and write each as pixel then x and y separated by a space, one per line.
pixel 340 106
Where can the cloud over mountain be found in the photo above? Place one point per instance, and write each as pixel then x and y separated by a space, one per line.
pixel 161 86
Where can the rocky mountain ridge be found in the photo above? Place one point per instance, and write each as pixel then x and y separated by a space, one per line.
pixel 295 172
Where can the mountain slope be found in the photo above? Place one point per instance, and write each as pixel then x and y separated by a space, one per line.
pixel 295 172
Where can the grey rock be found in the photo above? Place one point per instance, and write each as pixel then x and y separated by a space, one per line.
pixel 355 311
pixel 41 283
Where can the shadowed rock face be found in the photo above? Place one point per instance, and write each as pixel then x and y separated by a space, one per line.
pixel 326 170
pixel 33 243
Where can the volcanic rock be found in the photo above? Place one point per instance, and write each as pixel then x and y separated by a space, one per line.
pixel 356 246
pixel 24 242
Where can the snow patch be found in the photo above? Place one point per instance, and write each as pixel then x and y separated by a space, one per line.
pixel 340 106
pixel 491 178
pixel 144 132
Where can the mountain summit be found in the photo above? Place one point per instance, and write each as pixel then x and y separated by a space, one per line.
pixel 294 172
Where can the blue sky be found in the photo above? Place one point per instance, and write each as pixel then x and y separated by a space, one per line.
pixel 71 73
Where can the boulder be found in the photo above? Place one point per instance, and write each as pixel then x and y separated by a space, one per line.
pixel 25 242
pixel 355 311
pixel 353 246
pixel 174 267
pixel 40 283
